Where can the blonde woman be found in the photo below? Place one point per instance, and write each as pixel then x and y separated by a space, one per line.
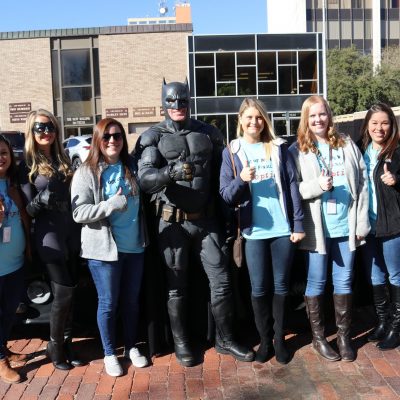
pixel 333 186
pixel 45 177
pixel 266 189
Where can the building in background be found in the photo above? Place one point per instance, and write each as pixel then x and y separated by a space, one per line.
pixel 369 25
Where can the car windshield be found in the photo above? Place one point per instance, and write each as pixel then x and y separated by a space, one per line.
pixel 17 141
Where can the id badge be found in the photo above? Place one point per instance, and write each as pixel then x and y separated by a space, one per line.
pixel 331 208
pixel 7 234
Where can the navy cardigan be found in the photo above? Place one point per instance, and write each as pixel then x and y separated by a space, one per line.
pixel 237 192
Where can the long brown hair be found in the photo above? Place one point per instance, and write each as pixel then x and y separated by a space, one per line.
pixel 392 141
pixel 305 138
pixel 95 155
pixel 36 161
pixel 11 173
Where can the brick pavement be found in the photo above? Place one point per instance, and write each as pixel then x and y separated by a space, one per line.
pixel 374 375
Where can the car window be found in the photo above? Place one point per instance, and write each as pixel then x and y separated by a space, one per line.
pixel 89 140
pixel 72 142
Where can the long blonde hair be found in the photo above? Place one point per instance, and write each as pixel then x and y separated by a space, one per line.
pixel 267 134
pixel 35 160
pixel 304 136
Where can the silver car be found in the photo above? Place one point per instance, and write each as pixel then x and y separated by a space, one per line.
pixel 77 148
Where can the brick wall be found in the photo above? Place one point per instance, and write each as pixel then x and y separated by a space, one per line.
pixel 25 72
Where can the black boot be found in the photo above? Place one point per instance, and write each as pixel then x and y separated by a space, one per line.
pixel 178 321
pixel 315 312
pixel 392 338
pixel 59 311
pixel 381 303
pixel 263 319
pixel 282 354
pixel 224 343
pixel 343 308
pixel 69 352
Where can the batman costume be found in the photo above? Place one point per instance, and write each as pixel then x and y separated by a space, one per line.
pixel 179 162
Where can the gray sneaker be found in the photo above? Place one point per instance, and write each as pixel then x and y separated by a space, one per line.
pixel 112 365
pixel 138 360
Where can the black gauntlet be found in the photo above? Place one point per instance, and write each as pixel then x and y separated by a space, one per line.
pixel 181 171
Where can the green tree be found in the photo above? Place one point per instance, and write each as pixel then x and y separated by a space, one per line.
pixel 352 84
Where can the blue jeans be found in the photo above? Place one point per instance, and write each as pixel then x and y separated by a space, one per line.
pixel 117 282
pixel 381 259
pixel 342 258
pixel 11 289
pixel 269 262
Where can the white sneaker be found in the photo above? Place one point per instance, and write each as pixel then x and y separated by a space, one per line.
pixel 112 365
pixel 138 360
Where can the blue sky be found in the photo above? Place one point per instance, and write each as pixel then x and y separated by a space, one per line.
pixel 209 16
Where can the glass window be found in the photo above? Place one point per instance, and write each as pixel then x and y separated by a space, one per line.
pixel 96 72
pixel 56 75
pixel 287 80
pixel 75 65
pixel 247 81
pixel 307 65
pixel 204 60
pixel 205 82
pixel 225 67
pixel 286 57
pixel 280 127
pixel 216 120
pixel 223 42
pixel 356 3
pixel 266 66
pixel 226 89
pixel 266 88
pixel 307 87
pixel 294 124
pixel 246 58
pixel 77 103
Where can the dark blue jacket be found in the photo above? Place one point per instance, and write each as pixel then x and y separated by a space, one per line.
pixel 236 192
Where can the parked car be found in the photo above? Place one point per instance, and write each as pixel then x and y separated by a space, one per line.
pixel 77 148
pixel 17 140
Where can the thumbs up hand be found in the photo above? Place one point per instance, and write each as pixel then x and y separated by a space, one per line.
pixel 325 181
pixel 248 173
pixel 387 177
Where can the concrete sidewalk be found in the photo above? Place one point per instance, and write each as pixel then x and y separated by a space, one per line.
pixel 374 375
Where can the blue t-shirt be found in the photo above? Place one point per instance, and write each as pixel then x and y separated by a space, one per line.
pixel 268 218
pixel 124 224
pixel 371 160
pixel 11 252
pixel 335 224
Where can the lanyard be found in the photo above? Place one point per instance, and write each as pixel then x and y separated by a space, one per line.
pixel 330 168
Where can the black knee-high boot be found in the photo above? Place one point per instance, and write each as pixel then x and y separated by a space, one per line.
pixel 262 308
pixel 59 312
pixel 68 348
pixel 381 304
pixel 392 338
pixel 282 354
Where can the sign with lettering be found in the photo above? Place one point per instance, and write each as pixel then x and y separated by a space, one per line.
pixel 117 112
pixel 78 120
pixel 19 111
pixel 144 112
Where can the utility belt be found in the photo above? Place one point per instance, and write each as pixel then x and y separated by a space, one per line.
pixel 169 213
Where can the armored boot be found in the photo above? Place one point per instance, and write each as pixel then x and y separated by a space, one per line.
pixel 315 312
pixel 178 321
pixel 263 319
pixel 343 305
pixel 225 343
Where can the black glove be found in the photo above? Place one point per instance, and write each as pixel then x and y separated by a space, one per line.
pixel 181 171
pixel 44 199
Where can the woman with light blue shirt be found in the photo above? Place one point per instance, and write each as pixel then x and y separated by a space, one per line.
pixel 14 234
pixel 263 185
pixel 333 185
pixel 106 201
pixel 381 254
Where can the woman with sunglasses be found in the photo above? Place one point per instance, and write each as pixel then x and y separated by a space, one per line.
pixel 45 177
pixel 380 139
pixel 106 200
pixel 14 240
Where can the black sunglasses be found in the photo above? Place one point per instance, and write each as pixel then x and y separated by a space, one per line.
pixel 43 127
pixel 107 136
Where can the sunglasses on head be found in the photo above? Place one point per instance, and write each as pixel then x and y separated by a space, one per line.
pixel 43 127
pixel 107 136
